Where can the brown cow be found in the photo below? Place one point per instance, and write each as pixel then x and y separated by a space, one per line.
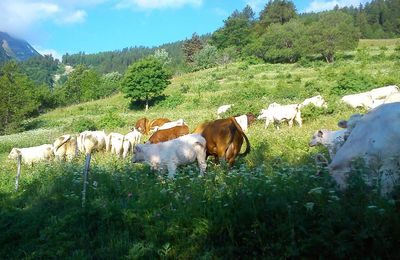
pixel 169 134
pixel 144 125
pixel 224 139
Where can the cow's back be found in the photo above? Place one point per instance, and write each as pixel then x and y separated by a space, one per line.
pixel 169 134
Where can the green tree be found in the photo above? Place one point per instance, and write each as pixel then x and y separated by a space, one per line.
pixel 283 42
pixel 334 31
pixel 191 46
pixel 82 85
pixel 145 80
pixel 206 57
pixel 236 30
pixel 277 11
pixel 17 99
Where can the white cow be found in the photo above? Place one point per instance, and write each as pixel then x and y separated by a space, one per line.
pixel 383 92
pixel 317 101
pixel 375 139
pixel 168 125
pixel 65 147
pixel 89 141
pixel 395 97
pixel 243 122
pixel 332 140
pixel 349 124
pixel 222 109
pixel 33 154
pixel 170 154
pixel 359 100
pixel 279 113
pixel 115 143
pixel 131 139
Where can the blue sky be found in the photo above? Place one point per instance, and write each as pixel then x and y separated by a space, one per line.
pixel 61 26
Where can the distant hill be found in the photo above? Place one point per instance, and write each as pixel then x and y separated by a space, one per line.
pixel 12 48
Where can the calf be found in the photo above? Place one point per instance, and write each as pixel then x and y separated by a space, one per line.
pixel 65 147
pixel 317 101
pixel 277 114
pixel 115 143
pixel 171 154
pixel 224 139
pixel 33 154
pixel 96 141
pixel 131 139
pixel 332 140
pixel 222 109
pixel 168 134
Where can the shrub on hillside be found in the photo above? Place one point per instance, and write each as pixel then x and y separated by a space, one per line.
pixel 111 120
pixel 81 124
pixel 351 81
pixel 172 101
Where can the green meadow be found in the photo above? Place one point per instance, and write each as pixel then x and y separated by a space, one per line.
pixel 271 204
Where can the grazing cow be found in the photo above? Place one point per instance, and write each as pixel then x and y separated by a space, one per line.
pixel 115 143
pixel 33 154
pixel 168 125
pixel 384 92
pixel 278 113
pixel 131 139
pixel 317 101
pixel 100 142
pixel 375 139
pixel 359 100
pixel 224 139
pixel 169 155
pixel 222 109
pixel 332 140
pixel 65 147
pixel 245 121
pixel 168 134
pixel 144 125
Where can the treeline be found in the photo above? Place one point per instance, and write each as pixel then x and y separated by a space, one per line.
pixel 27 92
pixel 278 34
pixel 119 61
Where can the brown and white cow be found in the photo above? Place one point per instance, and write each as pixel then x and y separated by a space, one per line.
pixel 144 125
pixel 168 134
pixel 224 139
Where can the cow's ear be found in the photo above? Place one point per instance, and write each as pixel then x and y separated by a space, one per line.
pixel 342 123
pixel 320 133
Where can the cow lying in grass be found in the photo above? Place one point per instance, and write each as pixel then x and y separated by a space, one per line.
pixel 171 154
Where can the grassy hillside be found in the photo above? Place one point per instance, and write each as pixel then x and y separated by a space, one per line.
pixel 270 204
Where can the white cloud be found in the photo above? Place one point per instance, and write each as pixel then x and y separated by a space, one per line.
pixel 75 17
pixel 321 5
pixel 45 51
pixel 220 12
pixel 256 5
pixel 157 4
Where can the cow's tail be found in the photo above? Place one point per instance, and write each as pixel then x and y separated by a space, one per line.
pixel 58 143
pixel 240 130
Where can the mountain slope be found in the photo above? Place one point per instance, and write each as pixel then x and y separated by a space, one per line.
pixel 12 48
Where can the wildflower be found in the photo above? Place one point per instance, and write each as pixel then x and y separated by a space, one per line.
pixel 309 206
pixel 317 190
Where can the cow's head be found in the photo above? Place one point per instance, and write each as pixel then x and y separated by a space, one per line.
pixel 14 154
pixel 138 154
pixel 316 138
pixel 250 118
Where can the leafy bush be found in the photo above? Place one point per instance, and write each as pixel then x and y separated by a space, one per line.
pixel 350 82
pixel 311 112
pixel 172 101
pixel 81 124
pixel 111 120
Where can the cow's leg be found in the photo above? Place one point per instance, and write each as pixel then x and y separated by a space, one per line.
pixel 201 160
pixel 171 170
pixel 231 154
pixel 298 118
pixel 290 122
